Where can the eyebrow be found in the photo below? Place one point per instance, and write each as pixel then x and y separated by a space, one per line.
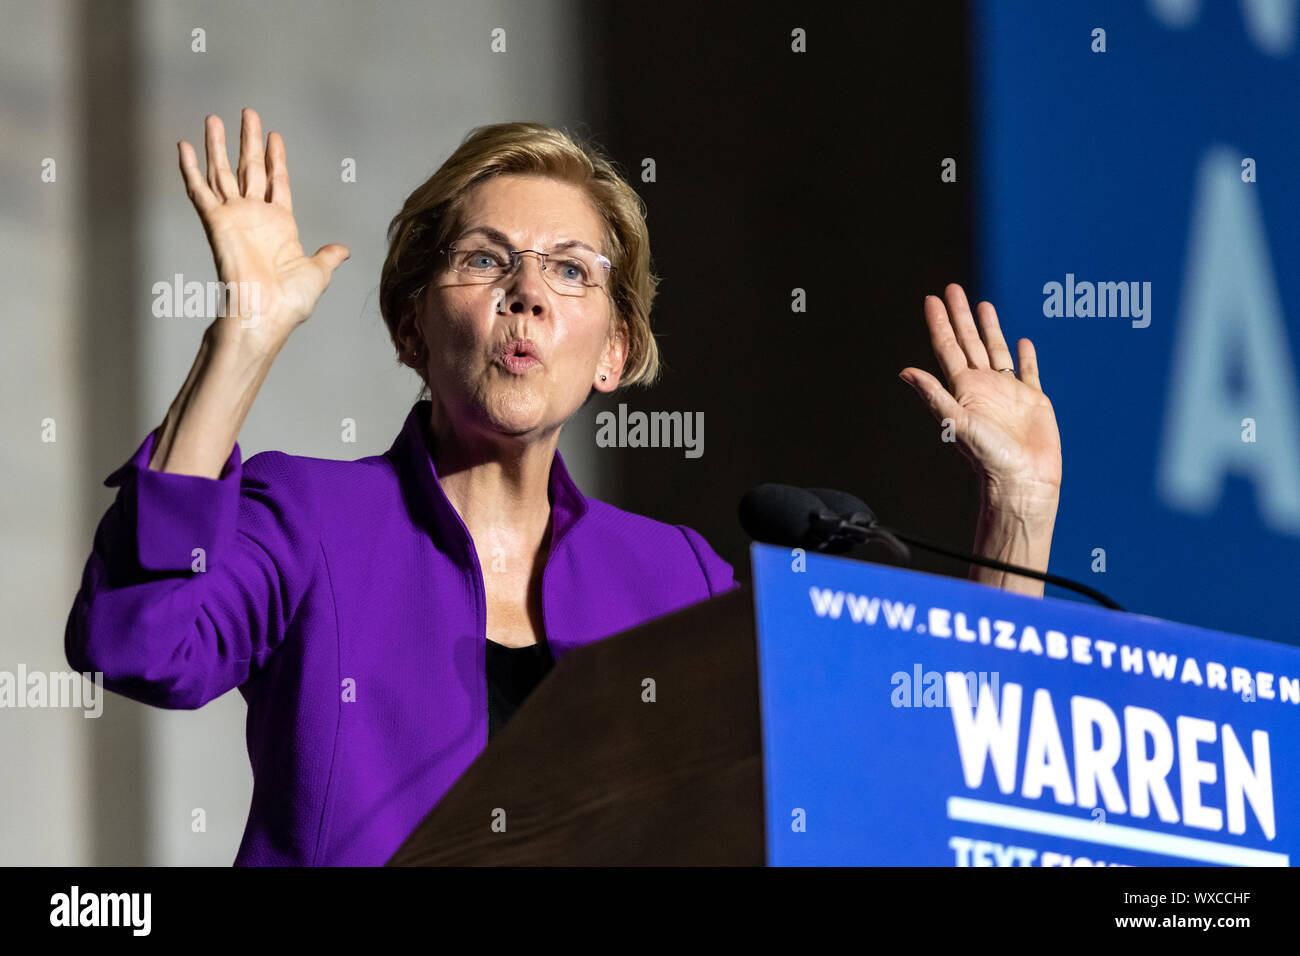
pixel 501 237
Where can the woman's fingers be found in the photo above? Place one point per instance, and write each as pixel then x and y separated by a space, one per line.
pixel 261 173
pixel 330 256
pixel 195 186
pixel 999 354
pixel 277 168
pixel 252 162
pixel 964 326
pixel 946 349
pixel 220 178
pixel 1028 363
pixel 942 404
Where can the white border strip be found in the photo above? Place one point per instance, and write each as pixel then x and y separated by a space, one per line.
pixel 1109 834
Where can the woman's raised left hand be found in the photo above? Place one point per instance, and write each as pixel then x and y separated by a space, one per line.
pixel 1000 421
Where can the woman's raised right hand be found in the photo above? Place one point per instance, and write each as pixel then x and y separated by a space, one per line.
pixel 250 227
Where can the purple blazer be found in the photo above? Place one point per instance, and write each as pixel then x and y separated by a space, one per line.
pixel 345 600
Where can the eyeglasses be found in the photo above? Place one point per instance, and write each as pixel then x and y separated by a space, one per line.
pixel 570 271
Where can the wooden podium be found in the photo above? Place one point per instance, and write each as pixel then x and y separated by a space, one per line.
pixel 588 772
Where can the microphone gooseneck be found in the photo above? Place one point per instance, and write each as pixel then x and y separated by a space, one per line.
pixel 832 522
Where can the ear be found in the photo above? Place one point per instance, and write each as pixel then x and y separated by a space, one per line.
pixel 613 358
pixel 413 353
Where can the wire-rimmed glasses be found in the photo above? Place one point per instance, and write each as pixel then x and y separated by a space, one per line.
pixel 568 269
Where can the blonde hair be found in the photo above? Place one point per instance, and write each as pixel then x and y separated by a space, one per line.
pixel 434 214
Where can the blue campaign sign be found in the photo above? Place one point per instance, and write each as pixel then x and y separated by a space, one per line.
pixel 1136 194
pixel 913 719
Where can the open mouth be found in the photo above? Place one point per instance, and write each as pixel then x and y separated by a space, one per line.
pixel 518 356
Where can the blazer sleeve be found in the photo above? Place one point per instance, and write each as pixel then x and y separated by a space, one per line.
pixel 192 582
pixel 718 573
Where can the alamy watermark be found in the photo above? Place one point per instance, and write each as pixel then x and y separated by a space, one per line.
pixel 127 910
pixel 1101 300
pixel 922 688
pixel 651 430
pixel 55 689
pixel 208 300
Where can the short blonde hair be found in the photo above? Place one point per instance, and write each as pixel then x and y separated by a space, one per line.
pixel 434 214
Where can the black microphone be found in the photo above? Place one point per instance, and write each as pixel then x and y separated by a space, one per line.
pixel 833 521
pixel 843 503
pixel 785 515
pixel 855 511
pixel 800 518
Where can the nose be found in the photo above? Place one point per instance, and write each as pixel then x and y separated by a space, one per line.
pixel 524 285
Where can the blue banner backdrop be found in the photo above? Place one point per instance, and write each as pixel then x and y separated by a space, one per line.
pixel 1137 217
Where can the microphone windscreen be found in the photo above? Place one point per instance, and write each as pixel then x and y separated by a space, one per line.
pixel 779 514
pixel 841 502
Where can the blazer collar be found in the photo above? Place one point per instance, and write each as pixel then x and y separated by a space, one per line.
pixel 429 503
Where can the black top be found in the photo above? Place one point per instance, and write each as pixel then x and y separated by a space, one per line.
pixel 512 673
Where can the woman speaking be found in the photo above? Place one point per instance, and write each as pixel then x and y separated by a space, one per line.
pixel 383 617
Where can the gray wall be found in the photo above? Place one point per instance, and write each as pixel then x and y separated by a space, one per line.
pixel 45 801
pixel 107 89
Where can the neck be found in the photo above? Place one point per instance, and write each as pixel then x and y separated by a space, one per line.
pixel 500 486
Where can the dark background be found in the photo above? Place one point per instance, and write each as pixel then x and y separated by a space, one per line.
pixel 779 170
